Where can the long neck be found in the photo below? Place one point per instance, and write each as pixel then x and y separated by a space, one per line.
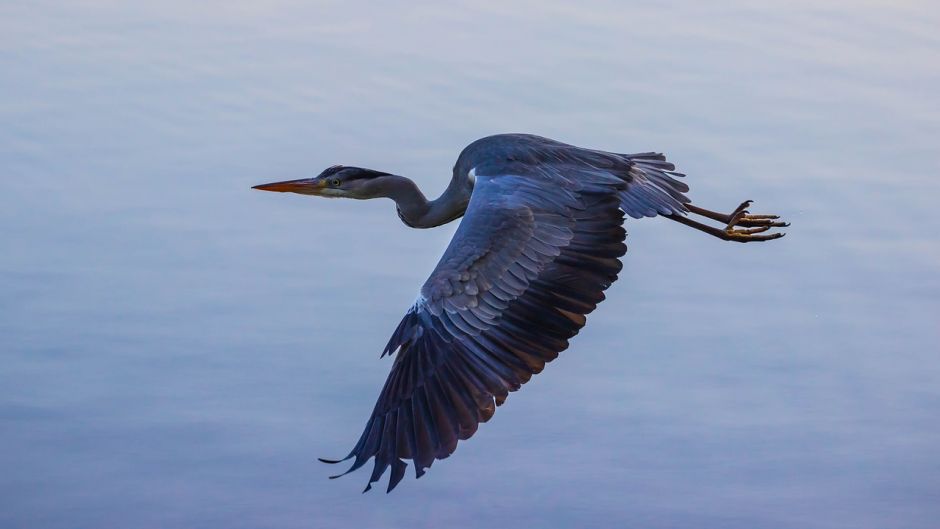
pixel 417 211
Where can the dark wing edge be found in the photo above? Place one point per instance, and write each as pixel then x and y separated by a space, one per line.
pixel 443 383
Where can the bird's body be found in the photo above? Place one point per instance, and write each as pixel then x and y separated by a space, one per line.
pixel 540 241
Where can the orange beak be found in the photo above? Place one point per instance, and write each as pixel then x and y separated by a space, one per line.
pixel 304 186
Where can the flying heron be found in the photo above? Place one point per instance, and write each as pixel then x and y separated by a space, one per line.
pixel 540 242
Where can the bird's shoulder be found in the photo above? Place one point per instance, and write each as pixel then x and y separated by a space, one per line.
pixel 497 154
pixel 544 160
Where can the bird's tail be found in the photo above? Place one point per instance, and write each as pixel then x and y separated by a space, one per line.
pixel 652 187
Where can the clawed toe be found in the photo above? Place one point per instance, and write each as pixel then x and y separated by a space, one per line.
pixel 740 217
pixel 737 216
pixel 743 226
pixel 758 229
pixel 738 236
pixel 740 225
pixel 750 221
pixel 741 207
pixel 756 217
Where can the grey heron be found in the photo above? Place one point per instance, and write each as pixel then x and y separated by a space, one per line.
pixel 540 241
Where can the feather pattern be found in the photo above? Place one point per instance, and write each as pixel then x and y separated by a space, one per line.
pixel 539 243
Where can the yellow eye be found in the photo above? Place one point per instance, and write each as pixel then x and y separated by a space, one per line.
pixel 334 182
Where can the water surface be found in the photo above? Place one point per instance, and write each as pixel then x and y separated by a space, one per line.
pixel 177 350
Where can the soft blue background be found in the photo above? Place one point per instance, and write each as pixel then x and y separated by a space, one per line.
pixel 177 349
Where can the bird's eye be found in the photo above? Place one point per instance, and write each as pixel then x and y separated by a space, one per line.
pixel 334 182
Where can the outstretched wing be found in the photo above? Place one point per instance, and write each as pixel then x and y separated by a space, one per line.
pixel 531 257
pixel 539 243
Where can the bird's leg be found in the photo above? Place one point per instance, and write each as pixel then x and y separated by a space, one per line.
pixel 740 225
pixel 737 235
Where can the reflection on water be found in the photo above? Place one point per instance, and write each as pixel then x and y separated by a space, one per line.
pixel 177 350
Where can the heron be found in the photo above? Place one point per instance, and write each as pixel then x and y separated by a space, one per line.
pixel 540 241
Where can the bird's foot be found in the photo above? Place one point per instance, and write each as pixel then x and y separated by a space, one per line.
pixel 743 218
pixel 740 224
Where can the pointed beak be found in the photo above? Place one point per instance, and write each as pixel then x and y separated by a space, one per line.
pixel 304 186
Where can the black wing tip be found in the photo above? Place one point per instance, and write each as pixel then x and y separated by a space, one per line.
pixel 398 472
pixel 335 461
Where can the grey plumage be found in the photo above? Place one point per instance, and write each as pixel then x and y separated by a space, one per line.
pixel 539 243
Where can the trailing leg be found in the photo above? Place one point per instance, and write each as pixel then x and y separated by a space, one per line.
pixel 740 225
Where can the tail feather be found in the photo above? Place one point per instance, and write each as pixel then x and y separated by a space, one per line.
pixel 652 187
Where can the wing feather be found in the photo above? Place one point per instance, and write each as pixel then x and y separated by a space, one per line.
pixel 540 241
pixel 489 320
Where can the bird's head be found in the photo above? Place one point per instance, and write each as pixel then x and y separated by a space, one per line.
pixel 334 182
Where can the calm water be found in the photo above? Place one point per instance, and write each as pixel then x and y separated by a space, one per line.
pixel 177 350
